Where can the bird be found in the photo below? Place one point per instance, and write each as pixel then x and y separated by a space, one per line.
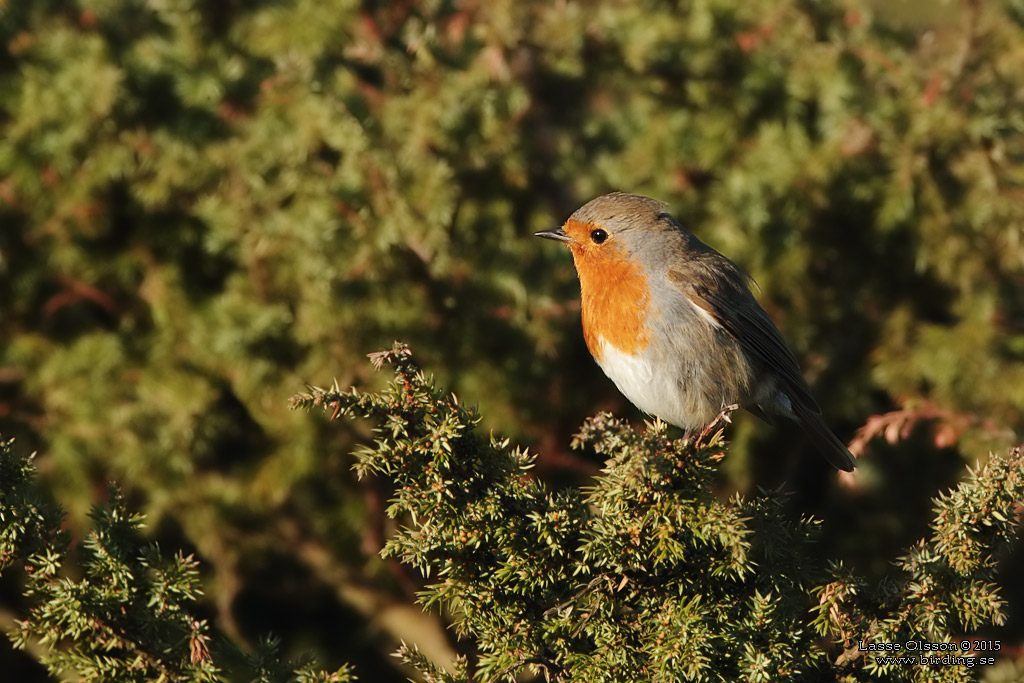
pixel 674 324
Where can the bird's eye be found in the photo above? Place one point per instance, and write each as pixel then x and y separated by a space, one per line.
pixel 598 236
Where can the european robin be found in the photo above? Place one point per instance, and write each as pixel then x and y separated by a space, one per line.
pixel 675 326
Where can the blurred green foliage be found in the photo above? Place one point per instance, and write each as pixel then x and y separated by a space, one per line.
pixel 206 205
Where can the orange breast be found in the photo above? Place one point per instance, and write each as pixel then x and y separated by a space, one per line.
pixel 614 292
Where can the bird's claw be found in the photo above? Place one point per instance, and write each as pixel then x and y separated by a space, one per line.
pixel 724 416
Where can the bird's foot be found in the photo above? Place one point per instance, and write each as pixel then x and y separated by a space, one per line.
pixel 711 427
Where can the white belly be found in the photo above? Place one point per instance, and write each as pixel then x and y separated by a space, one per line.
pixel 662 394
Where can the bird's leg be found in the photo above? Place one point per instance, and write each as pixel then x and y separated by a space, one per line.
pixel 724 416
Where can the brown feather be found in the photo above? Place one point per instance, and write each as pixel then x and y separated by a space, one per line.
pixel 721 289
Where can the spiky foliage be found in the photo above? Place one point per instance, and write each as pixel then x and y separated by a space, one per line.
pixel 647 575
pixel 130 615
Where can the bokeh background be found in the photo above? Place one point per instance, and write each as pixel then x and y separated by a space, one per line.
pixel 206 206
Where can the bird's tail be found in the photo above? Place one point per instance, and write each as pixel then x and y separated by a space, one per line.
pixel 828 444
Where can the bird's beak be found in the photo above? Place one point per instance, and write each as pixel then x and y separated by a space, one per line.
pixel 557 234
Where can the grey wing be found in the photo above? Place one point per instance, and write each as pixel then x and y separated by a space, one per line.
pixel 723 292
